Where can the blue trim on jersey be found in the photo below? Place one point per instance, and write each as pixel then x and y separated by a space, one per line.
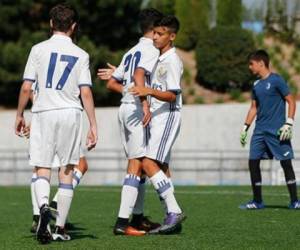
pixel 166 133
pixel 28 79
pixel 175 91
pixel 65 186
pixel 84 85
pixel 117 79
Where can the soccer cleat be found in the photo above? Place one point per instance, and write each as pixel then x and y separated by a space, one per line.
pixel 144 223
pixel 60 234
pixel 35 222
pixel 128 230
pixel 171 223
pixel 43 233
pixel 294 205
pixel 252 205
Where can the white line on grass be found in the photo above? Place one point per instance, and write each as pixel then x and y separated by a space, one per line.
pixel 188 192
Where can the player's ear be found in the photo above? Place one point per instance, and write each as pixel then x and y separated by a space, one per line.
pixel 51 24
pixel 73 26
pixel 172 36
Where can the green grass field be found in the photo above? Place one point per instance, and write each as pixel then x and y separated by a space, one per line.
pixel 214 220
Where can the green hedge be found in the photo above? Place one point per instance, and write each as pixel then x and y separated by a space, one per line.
pixel 221 57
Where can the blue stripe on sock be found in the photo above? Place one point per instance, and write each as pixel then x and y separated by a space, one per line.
pixel 76 178
pixel 33 180
pixel 132 180
pixel 65 186
pixel 163 186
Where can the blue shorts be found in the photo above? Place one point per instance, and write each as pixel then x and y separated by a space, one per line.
pixel 266 145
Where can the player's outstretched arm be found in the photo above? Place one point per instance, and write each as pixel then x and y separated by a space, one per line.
pixel 106 73
pixel 249 119
pixel 286 131
pixel 24 97
pixel 88 103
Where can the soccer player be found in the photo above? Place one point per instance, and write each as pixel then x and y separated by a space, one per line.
pixel 166 103
pixel 134 114
pixel 273 131
pixel 61 70
pixel 79 171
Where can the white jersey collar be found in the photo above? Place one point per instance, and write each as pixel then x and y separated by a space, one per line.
pixel 61 37
pixel 166 54
pixel 146 40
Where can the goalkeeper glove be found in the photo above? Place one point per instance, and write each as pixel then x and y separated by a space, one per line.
pixel 243 135
pixel 286 131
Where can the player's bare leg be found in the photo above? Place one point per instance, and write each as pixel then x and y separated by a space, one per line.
pixel 64 200
pixel 78 173
pixel 128 198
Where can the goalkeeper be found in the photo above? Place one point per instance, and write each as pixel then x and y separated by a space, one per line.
pixel 273 131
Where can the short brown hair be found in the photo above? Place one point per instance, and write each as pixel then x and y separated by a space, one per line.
pixel 260 55
pixel 63 16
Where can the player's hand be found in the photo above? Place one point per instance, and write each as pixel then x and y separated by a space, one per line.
pixel 92 138
pixel 243 135
pixel 140 91
pixel 26 131
pixel 286 131
pixel 147 115
pixel 19 125
pixel 105 74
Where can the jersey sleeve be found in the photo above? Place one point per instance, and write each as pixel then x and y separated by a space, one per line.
pixel 85 74
pixel 148 60
pixel 174 73
pixel 253 95
pixel 30 72
pixel 282 87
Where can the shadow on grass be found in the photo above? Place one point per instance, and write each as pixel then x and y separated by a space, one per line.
pixel 276 207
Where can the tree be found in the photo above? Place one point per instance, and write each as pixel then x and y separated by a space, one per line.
pixel 222 58
pixel 229 13
pixel 194 18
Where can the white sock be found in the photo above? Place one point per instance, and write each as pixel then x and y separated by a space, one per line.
pixel 129 195
pixel 35 206
pixel 164 189
pixel 76 179
pixel 139 204
pixel 42 190
pixel 64 200
pixel 77 175
pixel 55 196
pixel 162 201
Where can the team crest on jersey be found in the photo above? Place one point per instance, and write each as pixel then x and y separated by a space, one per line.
pixel 268 85
pixel 161 73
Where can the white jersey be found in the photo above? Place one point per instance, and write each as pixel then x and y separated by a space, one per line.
pixel 166 77
pixel 59 68
pixel 143 55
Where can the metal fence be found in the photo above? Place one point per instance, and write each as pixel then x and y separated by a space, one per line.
pixel 188 167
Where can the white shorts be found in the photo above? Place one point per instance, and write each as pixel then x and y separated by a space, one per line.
pixel 56 161
pixel 132 130
pixel 163 131
pixel 55 133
